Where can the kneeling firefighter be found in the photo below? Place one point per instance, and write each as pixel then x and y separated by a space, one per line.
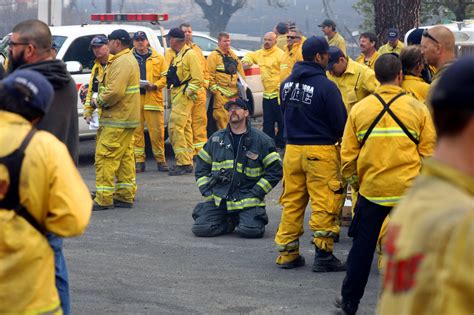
pixel 236 168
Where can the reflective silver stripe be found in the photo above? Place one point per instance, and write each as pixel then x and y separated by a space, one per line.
pixel 244 203
pixel 205 156
pixel 203 181
pixel 227 164
pixel 270 158
pixel 265 185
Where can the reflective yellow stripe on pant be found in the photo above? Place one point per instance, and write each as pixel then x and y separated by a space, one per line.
pixel 179 129
pixel 199 121
pixel 155 121
pixel 114 160
pixel 310 172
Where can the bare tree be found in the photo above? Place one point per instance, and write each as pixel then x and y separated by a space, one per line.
pixel 219 12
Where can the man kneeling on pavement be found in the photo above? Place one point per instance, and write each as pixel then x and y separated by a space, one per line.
pixel 236 168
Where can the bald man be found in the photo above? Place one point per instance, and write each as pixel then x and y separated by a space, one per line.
pixel 437 45
pixel 268 59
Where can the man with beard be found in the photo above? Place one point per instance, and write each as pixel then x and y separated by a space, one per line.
pixel 368 49
pixel 30 48
pixel 236 168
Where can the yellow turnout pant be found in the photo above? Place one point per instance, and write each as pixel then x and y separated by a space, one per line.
pixel 155 122
pixel 310 173
pixel 219 113
pixel 114 166
pixel 179 129
pixel 199 121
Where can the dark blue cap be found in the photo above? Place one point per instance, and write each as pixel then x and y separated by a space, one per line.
pixel 120 34
pixel 454 88
pixel 175 33
pixel 314 45
pixel 328 22
pixel 139 35
pixel 99 40
pixel 238 101
pixel 40 90
pixel 393 34
pixel 334 54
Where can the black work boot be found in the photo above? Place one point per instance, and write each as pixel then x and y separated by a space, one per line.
pixel 162 167
pixel 140 167
pixel 298 262
pixel 326 262
pixel 180 170
pixel 346 308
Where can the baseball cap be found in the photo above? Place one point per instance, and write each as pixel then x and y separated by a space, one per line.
pixel 327 22
pixel 40 90
pixel 121 35
pixel 175 33
pixel 238 101
pixel 99 40
pixel 334 54
pixel 392 34
pixel 314 45
pixel 139 35
pixel 454 89
pixel 414 38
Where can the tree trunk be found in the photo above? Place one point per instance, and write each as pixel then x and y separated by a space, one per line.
pixel 401 14
pixel 219 12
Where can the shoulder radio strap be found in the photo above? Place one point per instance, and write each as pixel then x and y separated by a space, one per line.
pixel 397 120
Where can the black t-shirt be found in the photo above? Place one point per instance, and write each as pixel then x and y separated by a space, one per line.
pixel 236 139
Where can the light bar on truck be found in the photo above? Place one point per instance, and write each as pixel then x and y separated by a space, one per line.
pixel 130 17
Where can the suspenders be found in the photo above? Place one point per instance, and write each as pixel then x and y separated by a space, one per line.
pixel 397 120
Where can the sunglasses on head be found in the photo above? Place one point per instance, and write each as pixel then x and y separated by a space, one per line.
pixel 426 34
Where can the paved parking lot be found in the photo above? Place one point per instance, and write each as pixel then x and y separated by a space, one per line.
pixel 145 260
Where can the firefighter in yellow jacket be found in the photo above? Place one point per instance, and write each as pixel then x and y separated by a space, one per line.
pixel 393 45
pixel 386 136
pixel 223 66
pixel 40 188
pixel 368 49
pixel 333 37
pixel 153 80
pixel 184 78
pixel 431 232
pixel 102 54
pixel 119 101
pixel 268 59
pixel 292 53
pixel 413 64
pixel 199 110
pixel 354 80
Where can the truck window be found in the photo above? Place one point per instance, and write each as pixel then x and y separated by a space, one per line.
pixel 204 43
pixel 79 51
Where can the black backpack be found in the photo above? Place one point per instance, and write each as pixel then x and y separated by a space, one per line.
pixel 172 75
pixel 230 64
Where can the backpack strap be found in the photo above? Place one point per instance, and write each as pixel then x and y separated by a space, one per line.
pixel 386 107
pixel 13 194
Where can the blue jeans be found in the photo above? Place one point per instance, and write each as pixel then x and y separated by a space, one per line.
pixel 62 281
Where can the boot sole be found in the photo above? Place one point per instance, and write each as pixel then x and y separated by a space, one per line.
pixel 328 269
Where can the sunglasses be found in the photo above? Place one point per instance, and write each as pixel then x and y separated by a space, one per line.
pixel 426 34
pixel 292 37
pixel 12 44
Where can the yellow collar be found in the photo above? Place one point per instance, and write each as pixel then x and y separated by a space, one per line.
pixel 439 169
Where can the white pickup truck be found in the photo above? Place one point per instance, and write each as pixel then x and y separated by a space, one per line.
pixel 73 48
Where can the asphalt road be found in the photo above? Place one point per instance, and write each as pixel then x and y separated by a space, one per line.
pixel 145 260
